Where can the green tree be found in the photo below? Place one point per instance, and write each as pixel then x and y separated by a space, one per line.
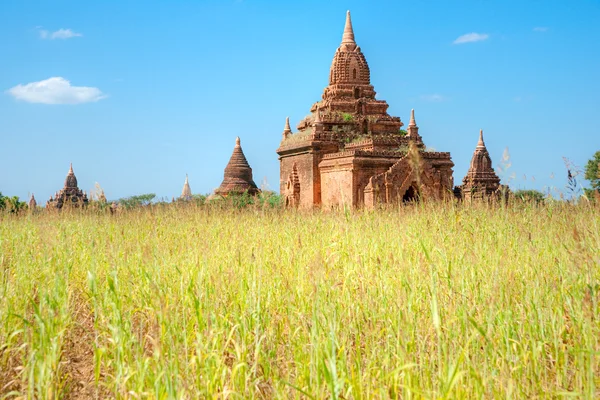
pixel 137 201
pixel 11 204
pixel 592 171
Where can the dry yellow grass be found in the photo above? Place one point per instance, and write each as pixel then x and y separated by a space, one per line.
pixel 433 301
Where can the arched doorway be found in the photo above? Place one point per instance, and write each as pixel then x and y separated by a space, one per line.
pixel 411 195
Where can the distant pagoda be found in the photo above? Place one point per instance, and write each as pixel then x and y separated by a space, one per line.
pixel 238 174
pixel 481 181
pixel 69 196
pixel 186 192
pixel 32 203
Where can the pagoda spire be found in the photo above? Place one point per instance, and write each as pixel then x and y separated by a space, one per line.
pixel 348 36
pixel 413 129
pixel 480 143
pixel 287 130
pixel 71 180
pixel 412 118
pixel 186 192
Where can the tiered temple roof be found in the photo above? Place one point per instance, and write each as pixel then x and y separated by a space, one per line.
pixel 238 174
pixel 349 99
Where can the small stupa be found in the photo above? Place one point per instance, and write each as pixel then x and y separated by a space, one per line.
pixel 238 174
pixel 186 192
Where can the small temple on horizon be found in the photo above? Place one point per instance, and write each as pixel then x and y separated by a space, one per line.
pixel 349 150
pixel 186 192
pixel 481 181
pixel 237 177
pixel 32 204
pixel 70 195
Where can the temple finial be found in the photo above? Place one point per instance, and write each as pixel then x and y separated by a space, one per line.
pixel 71 168
pixel 348 37
pixel 412 118
pixel 287 130
pixel 237 142
pixel 480 143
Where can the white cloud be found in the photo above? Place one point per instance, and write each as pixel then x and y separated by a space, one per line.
pixel 540 29
pixel 432 97
pixel 55 90
pixel 471 37
pixel 59 34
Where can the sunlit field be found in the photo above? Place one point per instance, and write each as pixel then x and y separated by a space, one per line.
pixel 426 301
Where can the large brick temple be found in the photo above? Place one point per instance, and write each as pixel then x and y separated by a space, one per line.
pixel 349 150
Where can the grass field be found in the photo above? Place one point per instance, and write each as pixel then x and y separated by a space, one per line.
pixel 432 301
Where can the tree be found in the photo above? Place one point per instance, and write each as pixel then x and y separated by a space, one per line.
pixel 11 204
pixel 137 201
pixel 592 171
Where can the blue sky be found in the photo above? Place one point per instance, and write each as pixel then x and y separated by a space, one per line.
pixel 163 88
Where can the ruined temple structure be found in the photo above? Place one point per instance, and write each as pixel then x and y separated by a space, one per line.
pixel 349 150
pixel 69 196
pixel 32 204
pixel 481 181
pixel 186 192
pixel 238 174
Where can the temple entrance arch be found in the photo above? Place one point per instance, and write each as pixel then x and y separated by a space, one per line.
pixel 411 195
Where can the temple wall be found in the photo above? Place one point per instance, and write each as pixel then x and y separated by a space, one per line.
pixel 337 187
pixel 308 175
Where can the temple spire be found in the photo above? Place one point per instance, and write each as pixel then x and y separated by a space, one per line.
pixel 348 37
pixel 287 130
pixel 412 118
pixel 348 43
pixel 186 192
pixel 480 143
pixel 238 142
pixel 71 169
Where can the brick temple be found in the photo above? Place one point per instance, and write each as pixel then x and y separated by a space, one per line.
pixel 349 150
pixel 70 195
pixel 481 181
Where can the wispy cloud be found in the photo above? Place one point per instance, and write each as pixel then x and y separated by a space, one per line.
pixel 55 90
pixel 471 37
pixel 435 98
pixel 59 34
pixel 540 29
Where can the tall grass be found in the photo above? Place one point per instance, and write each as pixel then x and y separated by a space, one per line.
pixel 433 301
